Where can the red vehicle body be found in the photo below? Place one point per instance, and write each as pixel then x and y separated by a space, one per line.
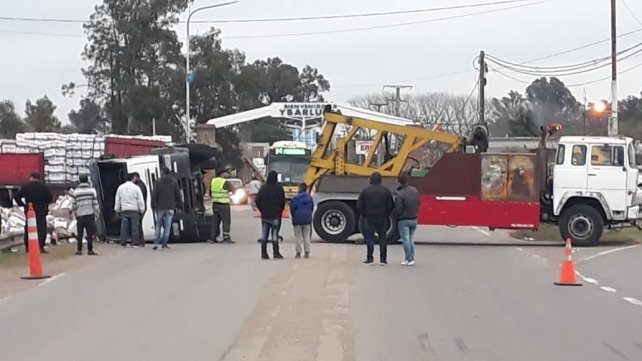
pixel 121 147
pixel 15 170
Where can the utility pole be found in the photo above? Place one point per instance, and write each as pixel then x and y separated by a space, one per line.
pixel 482 84
pixel 378 106
pixel 397 99
pixel 613 122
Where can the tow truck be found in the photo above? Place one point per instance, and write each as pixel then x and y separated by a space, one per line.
pixel 585 185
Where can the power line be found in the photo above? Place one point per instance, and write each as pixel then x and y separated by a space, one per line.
pixel 626 4
pixel 59 35
pixel 300 18
pixel 605 78
pixel 382 26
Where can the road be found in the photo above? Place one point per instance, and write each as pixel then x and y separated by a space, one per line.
pixel 221 302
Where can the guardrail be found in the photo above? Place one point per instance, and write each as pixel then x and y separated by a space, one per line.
pixel 11 240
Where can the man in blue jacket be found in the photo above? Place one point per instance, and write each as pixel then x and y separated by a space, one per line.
pixel 301 207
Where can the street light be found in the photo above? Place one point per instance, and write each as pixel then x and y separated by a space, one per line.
pixel 599 106
pixel 188 75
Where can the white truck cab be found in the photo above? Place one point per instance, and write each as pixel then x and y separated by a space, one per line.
pixel 595 183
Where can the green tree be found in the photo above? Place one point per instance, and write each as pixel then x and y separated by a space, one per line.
pixel 512 116
pixel 135 63
pixel 90 118
pixel 40 116
pixel 630 116
pixel 10 122
pixel 553 102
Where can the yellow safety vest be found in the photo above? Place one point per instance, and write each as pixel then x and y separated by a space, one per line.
pixel 219 195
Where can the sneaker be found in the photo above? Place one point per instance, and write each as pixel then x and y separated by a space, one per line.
pixel 78 253
pixel 265 256
pixel 124 245
pixel 383 263
pixel 307 255
pixel 44 251
pixel 278 256
pixel 155 248
pixel 404 263
pixel 228 241
pixel 166 247
pixel 298 255
pixel 135 246
pixel 368 262
pixel 411 263
pixel 92 253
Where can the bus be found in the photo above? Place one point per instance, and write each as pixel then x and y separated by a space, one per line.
pixel 290 161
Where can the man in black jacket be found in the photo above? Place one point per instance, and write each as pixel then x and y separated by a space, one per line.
pixel 270 201
pixel 406 210
pixel 375 204
pixel 166 199
pixel 39 195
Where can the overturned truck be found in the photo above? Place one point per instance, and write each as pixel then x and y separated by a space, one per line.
pixel 190 222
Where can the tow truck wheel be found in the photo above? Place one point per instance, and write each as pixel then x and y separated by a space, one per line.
pixel 334 221
pixel 583 224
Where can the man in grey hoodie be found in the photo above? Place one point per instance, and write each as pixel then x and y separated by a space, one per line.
pixel 84 204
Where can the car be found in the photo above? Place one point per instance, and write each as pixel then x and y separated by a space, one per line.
pixel 240 195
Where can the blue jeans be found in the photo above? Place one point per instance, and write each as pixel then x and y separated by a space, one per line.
pixel 273 225
pixel 129 220
pixel 407 229
pixel 163 219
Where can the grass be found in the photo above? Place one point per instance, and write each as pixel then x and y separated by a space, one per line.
pixel 20 259
pixel 549 232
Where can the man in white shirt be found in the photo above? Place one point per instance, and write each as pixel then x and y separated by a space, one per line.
pixel 130 205
pixel 253 190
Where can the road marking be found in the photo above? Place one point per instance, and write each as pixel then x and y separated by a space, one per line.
pixel 608 289
pixel 51 279
pixel 604 253
pixel 586 279
pixel 519 248
pixel 536 255
pixel 632 300
pixel 481 231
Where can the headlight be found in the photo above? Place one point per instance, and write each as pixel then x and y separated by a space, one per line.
pixel 238 195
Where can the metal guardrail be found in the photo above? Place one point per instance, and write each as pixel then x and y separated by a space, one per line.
pixel 11 240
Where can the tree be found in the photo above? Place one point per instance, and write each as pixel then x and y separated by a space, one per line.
pixel 313 84
pixel 553 102
pixel 135 64
pixel 40 116
pixel 90 118
pixel 512 116
pixel 10 122
pixel 630 116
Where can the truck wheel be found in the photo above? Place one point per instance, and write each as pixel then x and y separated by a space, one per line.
pixel 334 221
pixel 583 224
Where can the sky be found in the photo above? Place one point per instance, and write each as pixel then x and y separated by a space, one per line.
pixel 431 55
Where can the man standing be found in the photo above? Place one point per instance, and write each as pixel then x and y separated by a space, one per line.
pixel 143 188
pixel 271 202
pixel 129 204
pixel 166 199
pixel 301 207
pixel 375 204
pixel 220 191
pixel 84 204
pixel 406 210
pixel 39 195
pixel 253 190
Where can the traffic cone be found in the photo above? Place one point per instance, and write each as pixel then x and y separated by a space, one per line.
pixel 567 274
pixel 35 265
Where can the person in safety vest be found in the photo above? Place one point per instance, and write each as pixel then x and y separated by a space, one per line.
pixel 220 191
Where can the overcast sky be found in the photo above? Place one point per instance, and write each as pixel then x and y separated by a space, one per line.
pixel 356 63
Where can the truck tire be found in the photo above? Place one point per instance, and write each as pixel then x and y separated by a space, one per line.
pixel 583 224
pixel 334 221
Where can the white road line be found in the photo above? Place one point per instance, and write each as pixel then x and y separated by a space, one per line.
pixel 604 253
pixel 50 279
pixel 586 279
pixel 632 300
pixel 481 231
pixel 608 289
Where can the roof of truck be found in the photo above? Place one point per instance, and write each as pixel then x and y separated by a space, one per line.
pixel 593 139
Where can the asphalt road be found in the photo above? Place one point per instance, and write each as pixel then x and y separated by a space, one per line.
pixel 220 302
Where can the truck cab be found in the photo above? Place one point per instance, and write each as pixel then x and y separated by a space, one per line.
pixel 595 184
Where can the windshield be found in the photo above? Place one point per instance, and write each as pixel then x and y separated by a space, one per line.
pixel 237 183
pixel 289 171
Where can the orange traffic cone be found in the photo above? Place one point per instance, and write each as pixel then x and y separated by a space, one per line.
pixel 35 265
pixel 567 275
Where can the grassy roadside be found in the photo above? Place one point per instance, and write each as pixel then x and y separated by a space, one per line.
pixel 20 259
pixel 549 232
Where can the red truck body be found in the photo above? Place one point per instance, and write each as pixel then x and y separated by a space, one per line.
pixel 128 147
pixel 15 168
